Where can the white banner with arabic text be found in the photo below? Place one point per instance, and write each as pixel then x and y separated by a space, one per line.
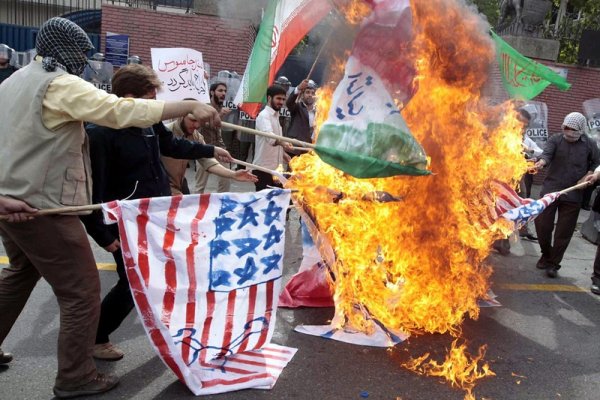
pixel 182 74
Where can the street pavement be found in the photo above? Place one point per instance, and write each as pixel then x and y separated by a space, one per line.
pixel 543 343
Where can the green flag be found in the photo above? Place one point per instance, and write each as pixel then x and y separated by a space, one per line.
pixel 524 78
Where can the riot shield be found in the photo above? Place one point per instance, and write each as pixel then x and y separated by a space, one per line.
pixel 99 73
pixel 537 128
pixel 591 110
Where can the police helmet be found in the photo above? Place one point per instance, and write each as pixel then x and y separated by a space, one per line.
pixel 283 81
pixel 134 60
pixel 98 57
pixel 5 51
pixel 312 84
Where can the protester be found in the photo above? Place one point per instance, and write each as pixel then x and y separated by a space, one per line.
pixel 269 153
pixel 212 136
pixel 186 128
pixel 126 164
pixel 570 156
pixel 45 163
pixel 302 112
pixel 6 69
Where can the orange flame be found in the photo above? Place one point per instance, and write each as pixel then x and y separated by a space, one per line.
pixel 459 368
pixel 418 265
pixel 353 10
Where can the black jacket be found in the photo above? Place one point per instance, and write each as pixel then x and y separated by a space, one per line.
pixel 122 157
pixel 300 123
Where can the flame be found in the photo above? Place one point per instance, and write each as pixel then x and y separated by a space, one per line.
pixel 354 11
pixel 459 368
pixel 418 265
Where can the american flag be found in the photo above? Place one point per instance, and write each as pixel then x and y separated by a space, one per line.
pixel 205 272
pixel 509 205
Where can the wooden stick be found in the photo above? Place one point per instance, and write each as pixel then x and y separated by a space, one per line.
pixel 268 135
pixel 300 149
pixel 575 187
pixel 256 167
pixel 62 210
pixel 314 64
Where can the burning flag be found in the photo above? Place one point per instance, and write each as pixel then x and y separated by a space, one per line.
pixel 512 207
pixel 524 78
pixel 284 24
pixel 365 134
pixel 205 273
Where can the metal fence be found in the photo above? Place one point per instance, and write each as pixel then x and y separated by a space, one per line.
pixel 34 12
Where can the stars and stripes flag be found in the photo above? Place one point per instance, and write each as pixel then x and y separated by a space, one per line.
pixel 509 205
pixel 205 272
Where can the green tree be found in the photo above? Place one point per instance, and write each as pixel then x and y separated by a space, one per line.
pixel 489 8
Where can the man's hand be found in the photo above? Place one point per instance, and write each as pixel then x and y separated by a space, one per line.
pixel 223 155
pixel 590 178
pixel 114 246
pixel 224 112
pixel 539 164
pixel 286 145
pixel 303 85
pixel 207 115
pixel 244 175
pixel 16 210
pixel 286 158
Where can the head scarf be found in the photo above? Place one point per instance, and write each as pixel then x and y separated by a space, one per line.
pixel 62 43
pixel 575 121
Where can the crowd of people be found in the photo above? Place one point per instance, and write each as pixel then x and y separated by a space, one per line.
pixel 79 145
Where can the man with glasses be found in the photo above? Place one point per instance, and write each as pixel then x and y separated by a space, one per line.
pixel 570 157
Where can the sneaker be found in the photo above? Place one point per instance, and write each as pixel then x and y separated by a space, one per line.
pixel 107 352
pixel 595 289
pixel 102 383
pixel 5 358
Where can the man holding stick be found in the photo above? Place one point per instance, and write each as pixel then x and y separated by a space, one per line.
pixel 571 157
pixel 269 153
pixel 302 112
pixel 45 155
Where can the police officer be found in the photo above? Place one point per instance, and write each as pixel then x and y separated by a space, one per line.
pixel 284 113
pixel 134 60
pixel 6 69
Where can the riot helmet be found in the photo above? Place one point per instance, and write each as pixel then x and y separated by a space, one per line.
pixel 5 53
pixel 98 57
pixel 283 81
pixel 134 60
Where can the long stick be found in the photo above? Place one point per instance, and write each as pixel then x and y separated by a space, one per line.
pixel 267 134
pixel 314 64
pixel 575 187
pixel 257 167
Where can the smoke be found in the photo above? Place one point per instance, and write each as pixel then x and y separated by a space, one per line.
pixel 244 9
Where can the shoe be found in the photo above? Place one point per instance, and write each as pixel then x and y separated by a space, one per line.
pixel 5 358
pixel 107 352
pixel 595 289
pixel 541 264
pixel 552 272
pixel 102 383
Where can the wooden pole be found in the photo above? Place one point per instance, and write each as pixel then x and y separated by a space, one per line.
pixel 314 64
pixel 62 210
pixel 258 168
pixel 575 187
pixel 267 134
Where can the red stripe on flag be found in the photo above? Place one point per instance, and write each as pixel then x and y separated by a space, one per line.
pixel 190 307
pixel 215 382
pixel 268 312
pixel 228 323
pixel 170 268
pixel 210 310
pixel 263 364
pixel 228 369
pixel 259 354
pixel 250 314
pixel 142 222
pixel 275 350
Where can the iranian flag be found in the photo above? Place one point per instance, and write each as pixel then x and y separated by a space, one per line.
pixel 365 134
pixel 284 24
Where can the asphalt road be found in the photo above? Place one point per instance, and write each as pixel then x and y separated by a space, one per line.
pixel 543 343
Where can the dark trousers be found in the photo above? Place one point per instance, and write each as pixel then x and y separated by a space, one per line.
pixel 565 226
pixel 117 304
pixel 596 274
pixel 244 153
pixel 525 186
pixel 264 179
pixel 57 249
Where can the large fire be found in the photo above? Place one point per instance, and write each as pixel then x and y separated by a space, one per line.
pixel 418 265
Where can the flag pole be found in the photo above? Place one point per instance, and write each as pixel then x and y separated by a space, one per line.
pixel 256 167
pixel 575 187
pixel 268 135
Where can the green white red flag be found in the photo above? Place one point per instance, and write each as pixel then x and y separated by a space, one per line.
pixel 284 24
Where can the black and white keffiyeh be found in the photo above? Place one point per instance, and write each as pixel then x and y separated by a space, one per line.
pixel 62 43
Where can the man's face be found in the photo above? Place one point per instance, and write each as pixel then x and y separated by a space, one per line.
pixel 219 94
pixel 570 134
pixel 277 101
pixel 190 124
pixel 309 96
